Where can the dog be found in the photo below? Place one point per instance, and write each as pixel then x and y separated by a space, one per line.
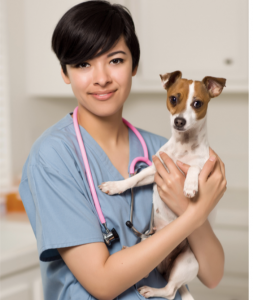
pixel 187 102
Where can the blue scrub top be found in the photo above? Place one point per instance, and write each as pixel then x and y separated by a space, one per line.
pixel 58 202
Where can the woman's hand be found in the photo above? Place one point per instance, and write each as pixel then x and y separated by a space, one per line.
pixel 170 186
pixel 212 185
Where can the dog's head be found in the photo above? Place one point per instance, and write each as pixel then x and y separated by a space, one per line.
pixel 187 100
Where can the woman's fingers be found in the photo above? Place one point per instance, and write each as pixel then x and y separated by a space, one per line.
pixel 183 167
pixel 208 168
pixel 171 166
pixel 222 171
pixel 163 178
pixel 170 185
pixel 159 167
pixel 222 167
pixel 160 182
pixel 213 162
pixel 169 163
pixel 221 164
pixel 211 152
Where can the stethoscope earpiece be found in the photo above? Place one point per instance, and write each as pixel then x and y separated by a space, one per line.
pixel 129 224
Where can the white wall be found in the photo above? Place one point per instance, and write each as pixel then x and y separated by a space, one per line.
pixel 30 116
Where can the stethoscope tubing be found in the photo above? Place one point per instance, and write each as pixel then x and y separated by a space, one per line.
pixel 144 146
pixel 87 167
pixel 111 235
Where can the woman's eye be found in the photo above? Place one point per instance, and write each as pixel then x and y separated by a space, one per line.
pixel 82 65
pixel 197 104
pixel 116 61
pixel 173 100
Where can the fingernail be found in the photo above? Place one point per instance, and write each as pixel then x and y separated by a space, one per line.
pixel 212 158
pixel 180 163
pixel 161 152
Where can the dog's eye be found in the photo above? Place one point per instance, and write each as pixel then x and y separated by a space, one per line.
pixel 173 100
pixel 197 104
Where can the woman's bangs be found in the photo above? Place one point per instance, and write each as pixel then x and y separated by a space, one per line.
pixel 96 40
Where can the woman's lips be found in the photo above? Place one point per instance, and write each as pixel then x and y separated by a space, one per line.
pixel 103 96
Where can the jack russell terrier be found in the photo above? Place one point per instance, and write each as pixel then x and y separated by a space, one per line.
pixel 187 101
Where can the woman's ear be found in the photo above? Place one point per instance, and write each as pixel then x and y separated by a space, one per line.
pixel 135 71
pixel 65 77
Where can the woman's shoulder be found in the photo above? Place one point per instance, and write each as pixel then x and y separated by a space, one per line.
pixel 53 142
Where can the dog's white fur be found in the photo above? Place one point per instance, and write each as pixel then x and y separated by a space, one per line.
pixel 192 149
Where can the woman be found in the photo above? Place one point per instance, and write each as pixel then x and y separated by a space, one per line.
pixel 98 50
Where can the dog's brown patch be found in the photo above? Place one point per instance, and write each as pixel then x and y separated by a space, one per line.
pixel 180 90
pixel 178 87
pixel 201 94
pixel 186 137
pixel 194 146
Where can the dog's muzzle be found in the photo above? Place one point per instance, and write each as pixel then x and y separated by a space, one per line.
pixel 179 123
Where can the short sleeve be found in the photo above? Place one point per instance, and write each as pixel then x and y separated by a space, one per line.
pixel 59 212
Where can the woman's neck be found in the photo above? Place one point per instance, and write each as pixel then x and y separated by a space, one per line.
pixel 108 132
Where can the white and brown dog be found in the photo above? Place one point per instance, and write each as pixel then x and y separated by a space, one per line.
pixel 187 101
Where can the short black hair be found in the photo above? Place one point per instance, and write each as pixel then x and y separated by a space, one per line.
pixel 92 28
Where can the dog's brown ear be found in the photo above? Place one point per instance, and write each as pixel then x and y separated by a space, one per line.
pixel 170 78
pixel 214 85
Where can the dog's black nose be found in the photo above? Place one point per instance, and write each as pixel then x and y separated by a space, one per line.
pixel 179 122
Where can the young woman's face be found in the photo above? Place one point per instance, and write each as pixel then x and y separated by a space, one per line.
pixel 102 85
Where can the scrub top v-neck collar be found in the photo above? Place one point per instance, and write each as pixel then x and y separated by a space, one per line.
pixel 90 142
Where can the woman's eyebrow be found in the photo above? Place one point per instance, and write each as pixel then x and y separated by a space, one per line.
pixel 116 52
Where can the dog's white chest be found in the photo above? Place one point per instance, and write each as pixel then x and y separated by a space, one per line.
pixel 187 153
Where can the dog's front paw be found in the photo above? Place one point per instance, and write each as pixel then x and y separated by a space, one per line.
pixel 191 182
pixel 189 193
pixel 190 187
pixel 111 187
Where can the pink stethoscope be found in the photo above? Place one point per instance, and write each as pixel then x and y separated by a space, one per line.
pixel 112 235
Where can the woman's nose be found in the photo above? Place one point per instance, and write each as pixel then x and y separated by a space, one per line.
pixel 101 76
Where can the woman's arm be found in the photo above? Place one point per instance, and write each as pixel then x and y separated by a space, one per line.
pixel 106 276
pixel 204 244
pixel 209 254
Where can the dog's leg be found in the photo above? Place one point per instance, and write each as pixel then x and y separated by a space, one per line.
pixel 191 182
pixel 117 187
pixel 185 269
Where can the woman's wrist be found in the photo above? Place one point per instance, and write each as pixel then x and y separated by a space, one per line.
pixel 196 212
pixel 184 205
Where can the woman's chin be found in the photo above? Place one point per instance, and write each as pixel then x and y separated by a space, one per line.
pixel 105 113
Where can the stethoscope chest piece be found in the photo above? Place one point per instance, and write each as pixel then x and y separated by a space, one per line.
pixel 110 235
